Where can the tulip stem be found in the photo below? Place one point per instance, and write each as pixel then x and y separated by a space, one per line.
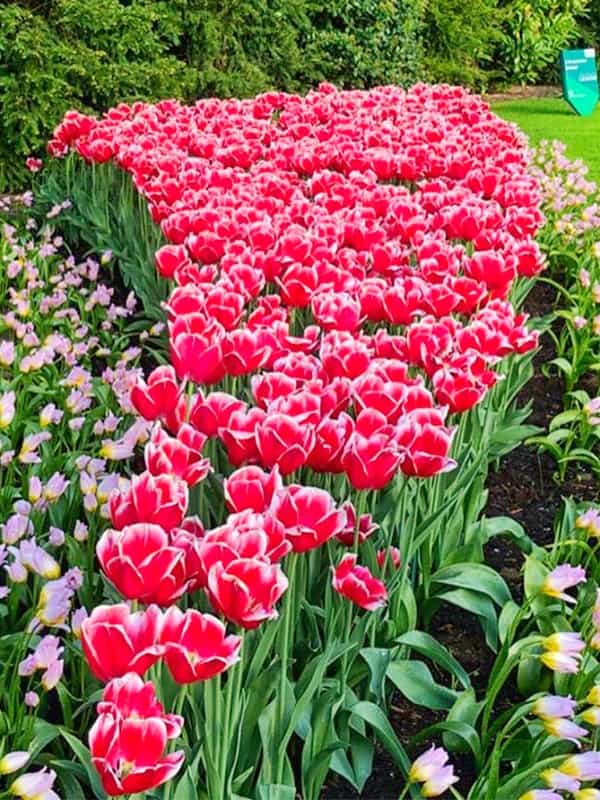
pixel 404 791
pixel 285 650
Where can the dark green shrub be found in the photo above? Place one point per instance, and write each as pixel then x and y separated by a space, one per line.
pixel 535 31
pixel 460 38
pixel 362 43
pixel 83 53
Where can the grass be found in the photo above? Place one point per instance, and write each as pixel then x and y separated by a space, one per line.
pixel 549 118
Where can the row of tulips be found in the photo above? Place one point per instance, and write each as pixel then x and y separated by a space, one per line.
pixel 343 265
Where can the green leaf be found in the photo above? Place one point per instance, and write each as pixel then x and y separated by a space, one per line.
pixel 187 784
pixel 477 577
pixel 83 754
pixel 463 732
pixel 275 791
pixel 427 646
pixel 564 418
pixel 478 604
pixel 466 710
pixel 376 718
pixel 414 680
pixel 378 659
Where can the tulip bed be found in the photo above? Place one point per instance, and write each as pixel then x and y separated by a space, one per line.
pixel 342 276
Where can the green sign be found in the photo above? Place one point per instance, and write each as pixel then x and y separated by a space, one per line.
pixel 579 79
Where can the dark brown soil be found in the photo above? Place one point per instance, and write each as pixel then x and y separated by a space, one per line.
pixel 524 488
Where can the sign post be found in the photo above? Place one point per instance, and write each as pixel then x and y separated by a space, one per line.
pixel 579 78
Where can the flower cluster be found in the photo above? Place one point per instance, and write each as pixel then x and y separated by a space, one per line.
pixel 320 242
pixel 342 266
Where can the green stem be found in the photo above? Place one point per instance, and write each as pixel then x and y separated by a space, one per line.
pixel 285 647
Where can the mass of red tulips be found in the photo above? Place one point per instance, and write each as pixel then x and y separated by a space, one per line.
pixel 341 268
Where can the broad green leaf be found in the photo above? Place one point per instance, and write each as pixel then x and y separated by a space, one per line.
pixel 466 710
pixel 478 604
pixel 378 659
pixel 427 646
pixel 477 577
pixel 376 718
pixel 83 754
pixel 275 791
pixel 414 680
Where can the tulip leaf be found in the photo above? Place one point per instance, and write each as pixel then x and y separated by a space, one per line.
pixel 84 756
pixel 275 791
pixel 460 730
pixel 66 775
pixel 477 577
pixel 358 768
pixel 506 526
pixel 466 710
pixel 506 619
pixel 263 652
pixel 376 718
pixel 45 732
pixel 427 646
pixel 478 604
pixel 378 659
pixel 414 680
pixel 187 785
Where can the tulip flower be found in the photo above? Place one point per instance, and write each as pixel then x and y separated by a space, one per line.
pixel 584 766
pixel 159 396
pixel 142 564
pixel 557 780
pixel 211 413
pixel 115 641
pixel 562 652
pixel 390 556
pixel 284 441
pixel 129 696
pixel 11 762
pixel 594 695
pixel 432 771
pixel 425 443
pixel 250 488
pixel 239 436
pixel 170 258
pixel 198 358
pixel 358 584
pixel 196 647
pixel 562 577
pixel 128 750
pixel 552 706
pixel 587 794
pixel 589 521
pixel 541 794
pixel 366 526
pixel 591 716
pixel 565 729
pixel 160 499
pixel 309 516
pixel 371 455
pixel 180 456
pixel 35 786
pixel 246 590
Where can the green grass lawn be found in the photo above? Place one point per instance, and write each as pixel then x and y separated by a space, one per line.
pixel 548 118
